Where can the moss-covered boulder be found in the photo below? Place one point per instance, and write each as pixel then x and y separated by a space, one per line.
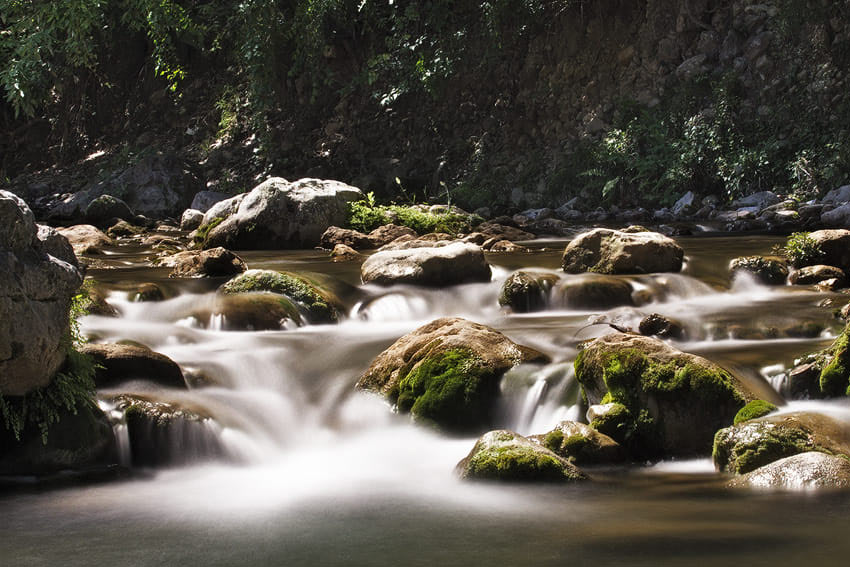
pixel 754 410
pixel 806 471
pixel 823 374
pixel 581 444
pixel 672 402
pixel 165 433
pixel 118 363
pixel 608 251
pixel 590 291
pixel 250 312
pixel 526 291
pixel 318 305
pixel 447 372
pixel 79 442
pixel 755 443
pixel 507 456
pixel 766 270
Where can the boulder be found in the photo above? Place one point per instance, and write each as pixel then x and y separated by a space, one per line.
pixel 589 291
pixel 107 207
pixel 167 433
pixel 503 232
pixel 250 312
pixel 389 232
pixel 278 214
pixel 317 304
pixel 813 275
pixel 335 235
pixel 493 245
pixel 526 291
pixel 204 200
pixel 615 252
pixel 122 228
pixel 57 245
pixel 765 270
pixel 685 205
pixel 215 262
pixel 36 287
pixel 823 374
pixel 752 444
pixel 191 219
pixel 124 362
pixel 758 201
pixel 838 217
pixel 670 403
pixel 343 253
pixel 433 266
pixel 146 292
pixel 85 238
pixel 838 196
pixel 509 457
pixel 657 325
pixel 835 245
pixel 805 471
pixel 447 372
pixel 580 444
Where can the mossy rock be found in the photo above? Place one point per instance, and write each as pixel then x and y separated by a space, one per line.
pixel 526 291
pixel 509 457
pixel 581 444
pixel 318 305
pixel 754 410
pixel 766 270
pixel 823 374
pixel 673 402
pixel 755 443
pixel 806 471
pixel 252 312
pixel 166 433
pixel 447 373
pixel 78 442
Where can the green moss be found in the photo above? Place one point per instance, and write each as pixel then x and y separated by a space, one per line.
pixel 617 423
pixel 516 463
pixel 452 389
pixel 835 375
pixel 753 410
pixel 298 289
pixel 765 444
pixel 203 233
pixel 366 215
pixel 553 440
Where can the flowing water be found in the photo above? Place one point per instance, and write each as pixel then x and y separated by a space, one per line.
pixel 297 468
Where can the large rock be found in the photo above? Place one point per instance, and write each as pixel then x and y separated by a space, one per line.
pixel 35 297
pixel 526 291
pixel 824 374
pixel 503 232
pixel 835 245
pixel 85 238
pixel 433 266
pixel 120 363
pixel 107 207
pixel 805 471
pixel 507 456
pixel 581 444
pixel 615 252
pixel 666 402
pixel 355 239
pixel 755 443
pixel 813 275
pixel 764 269
pixel 279 214
pixel 447 372
pixel 386 233
pixel 319 305
pixel 204 200
pixel 250 312
pixel 215 262
pixel 839 216
pixel 591 291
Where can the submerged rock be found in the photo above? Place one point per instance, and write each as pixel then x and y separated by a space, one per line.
pixel 38 277
pixel 120 363
pixel 447 372
pixel 507 456
pixel 527 291
pixel 616 252
pixel 581 444
pixel 278 214
pixel 319 306
pixel 343 253
pixel 672 402
pixel 766 270
pixel 433 266
pixel 752 444
pixel 593 292
pixel 657 325
pixel 252 312
pixel 805 471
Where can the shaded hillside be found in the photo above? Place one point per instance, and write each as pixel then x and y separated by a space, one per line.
pixel 507 104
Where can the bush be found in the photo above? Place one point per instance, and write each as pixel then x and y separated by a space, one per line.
pixel 366 215
pixel 802 250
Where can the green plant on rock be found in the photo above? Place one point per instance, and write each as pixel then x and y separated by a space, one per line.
pixel 753 410
pixel 802 250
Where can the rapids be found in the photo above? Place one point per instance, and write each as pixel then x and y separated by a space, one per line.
pixel 297 468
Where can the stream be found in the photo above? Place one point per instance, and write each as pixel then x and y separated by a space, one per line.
pixel 311 472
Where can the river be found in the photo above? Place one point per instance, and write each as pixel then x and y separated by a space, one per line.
pixel 315 473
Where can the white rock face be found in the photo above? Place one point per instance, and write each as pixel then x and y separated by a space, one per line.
pixel 455 263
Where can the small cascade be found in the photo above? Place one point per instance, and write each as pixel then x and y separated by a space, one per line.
pixel 536 399
pixel 119 430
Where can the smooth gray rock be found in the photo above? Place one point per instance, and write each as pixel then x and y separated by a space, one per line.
pixel 806 471
pixel 452 264
pixel 203 200
pixel 191 219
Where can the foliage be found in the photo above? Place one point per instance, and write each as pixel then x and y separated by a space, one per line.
pixel 802 250
pixel 366 215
